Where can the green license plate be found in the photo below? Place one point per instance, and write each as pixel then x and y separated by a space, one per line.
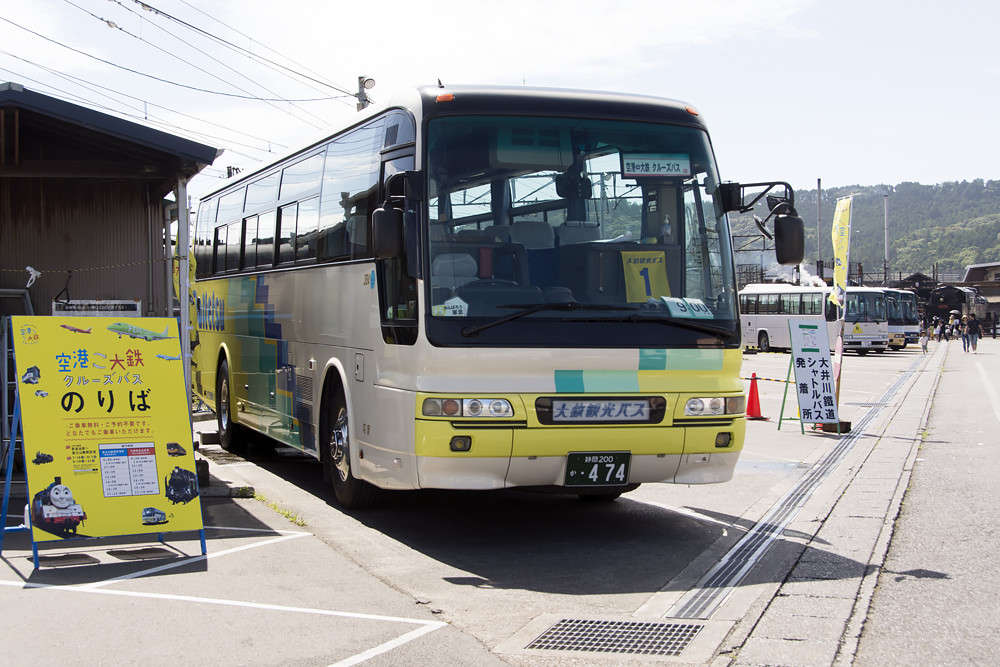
pixel 597 468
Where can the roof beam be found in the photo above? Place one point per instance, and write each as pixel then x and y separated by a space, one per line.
pixel 82 169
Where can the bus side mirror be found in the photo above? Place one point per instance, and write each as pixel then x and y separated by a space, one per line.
pixel 387 232
pixel 789 239
pixel 730 196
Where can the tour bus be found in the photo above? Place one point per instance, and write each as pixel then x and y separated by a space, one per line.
pixel 904 321
pixel 480 288
pixel 765 309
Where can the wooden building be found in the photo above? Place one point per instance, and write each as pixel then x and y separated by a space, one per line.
pixel 82 201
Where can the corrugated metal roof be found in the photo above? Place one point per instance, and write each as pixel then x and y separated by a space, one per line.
pixel 193 154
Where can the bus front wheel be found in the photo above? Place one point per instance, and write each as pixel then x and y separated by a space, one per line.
pixel 351 492
pixel 763 342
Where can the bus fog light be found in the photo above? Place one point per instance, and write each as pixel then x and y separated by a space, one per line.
pixel 451 408
pixel 723 439
pixel 694 406
pixel 735 405
pixel 461 443
pixel 431 407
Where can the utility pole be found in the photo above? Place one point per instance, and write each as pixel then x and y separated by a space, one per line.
pixel 885 231
pixel 819 219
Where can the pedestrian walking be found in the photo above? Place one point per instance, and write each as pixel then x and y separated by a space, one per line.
pixel 940 330
pixel 963 328
pixel 973 331
pixel 924 337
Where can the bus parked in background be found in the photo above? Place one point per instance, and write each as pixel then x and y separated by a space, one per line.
pixel 482 288
pixel 904 321
pixel 765 309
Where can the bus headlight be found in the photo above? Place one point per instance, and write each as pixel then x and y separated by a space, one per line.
pixel 467 407
pixel 713 405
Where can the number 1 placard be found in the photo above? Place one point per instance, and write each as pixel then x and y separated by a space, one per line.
pixel 645 275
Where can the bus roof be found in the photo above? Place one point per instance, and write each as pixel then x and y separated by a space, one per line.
pixel 779 288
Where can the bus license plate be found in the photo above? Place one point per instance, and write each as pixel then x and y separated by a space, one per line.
pixel 597 468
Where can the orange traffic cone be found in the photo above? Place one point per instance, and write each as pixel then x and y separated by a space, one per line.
pixel 753 401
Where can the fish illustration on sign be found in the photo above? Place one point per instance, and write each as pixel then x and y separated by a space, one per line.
pixel 133 331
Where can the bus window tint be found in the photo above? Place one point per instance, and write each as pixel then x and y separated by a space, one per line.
pixel 219 249
pixel 249 243
pixel 301 178
pixel 308 219
pixel 812 304
pixel 286 243
pixel 790 304
pixel 768 303
pixel 265 239
pixel 233 246
pixel 231 206
pixel 262 192
pixel 349 183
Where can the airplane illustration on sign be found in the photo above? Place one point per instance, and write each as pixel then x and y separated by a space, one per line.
pixel 133 331
pixel 169 358
pixel 75 329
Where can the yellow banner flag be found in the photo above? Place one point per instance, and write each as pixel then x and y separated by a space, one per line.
pixel 841 249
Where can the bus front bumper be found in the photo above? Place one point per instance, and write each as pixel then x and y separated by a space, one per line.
pixel 537 456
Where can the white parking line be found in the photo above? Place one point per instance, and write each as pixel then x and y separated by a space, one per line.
pixel 425 625
pixel 990 390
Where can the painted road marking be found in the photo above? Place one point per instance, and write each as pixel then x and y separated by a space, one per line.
pixel 990 390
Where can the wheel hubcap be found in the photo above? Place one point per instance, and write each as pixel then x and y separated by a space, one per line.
pixel 224 404
pixel 340 451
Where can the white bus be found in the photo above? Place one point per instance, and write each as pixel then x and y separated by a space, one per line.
pixel 765 309
pixel 904 321
pixel 482 288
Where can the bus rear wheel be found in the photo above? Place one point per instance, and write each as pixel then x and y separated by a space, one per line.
pixel 228 430
pixel 763 342
pixel 335 454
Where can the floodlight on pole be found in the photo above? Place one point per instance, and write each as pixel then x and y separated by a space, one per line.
pixel 364 84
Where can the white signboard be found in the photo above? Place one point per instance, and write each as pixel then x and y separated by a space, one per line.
pixel 98 308
pixel 815 386
pixel 655 164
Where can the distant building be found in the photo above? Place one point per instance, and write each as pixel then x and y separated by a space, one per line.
pixel 985 279
pixel 990 271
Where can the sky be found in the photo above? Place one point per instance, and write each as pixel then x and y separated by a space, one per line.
pixel 850 92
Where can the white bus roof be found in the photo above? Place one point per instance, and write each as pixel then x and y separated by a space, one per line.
pixel 779 288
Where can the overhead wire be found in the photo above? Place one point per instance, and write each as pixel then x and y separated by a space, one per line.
pixel 149 7
pixel 97 105
pixel 113 25
pixel 253 40
pixel 84 82
pixel 208 55
pixel 167 81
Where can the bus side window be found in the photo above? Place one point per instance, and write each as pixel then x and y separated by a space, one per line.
pixel 768 303
pixel 265 239
pixel 249 243
pixel 286 236
pixel 219 249
pixel 397 288
pixel 790 304
pixel 831 311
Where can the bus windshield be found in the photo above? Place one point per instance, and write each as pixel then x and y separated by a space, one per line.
pixel 575 219
pixel 908 307
pixel 865 307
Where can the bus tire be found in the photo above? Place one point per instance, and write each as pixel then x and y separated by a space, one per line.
pixel 763 342
pixel 335 454
pixel 230 437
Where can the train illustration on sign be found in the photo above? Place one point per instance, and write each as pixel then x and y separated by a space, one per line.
pixel 53 509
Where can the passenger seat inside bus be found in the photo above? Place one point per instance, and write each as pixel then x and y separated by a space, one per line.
pixel 533 234
pixel 578 231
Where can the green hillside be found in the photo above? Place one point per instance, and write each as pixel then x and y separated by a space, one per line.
pixel 953 224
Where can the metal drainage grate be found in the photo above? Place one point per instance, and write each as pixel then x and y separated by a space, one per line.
pixel 571 634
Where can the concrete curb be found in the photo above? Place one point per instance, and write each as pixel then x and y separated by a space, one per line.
pixel 223 490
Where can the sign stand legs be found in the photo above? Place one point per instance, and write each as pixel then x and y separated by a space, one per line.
pixel 8 479
pixel 784 397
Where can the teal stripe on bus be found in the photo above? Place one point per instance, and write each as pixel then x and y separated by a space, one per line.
pixel 652 360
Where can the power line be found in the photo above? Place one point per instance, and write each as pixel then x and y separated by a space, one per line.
pixel 87 84
pixel 115 26
pixel 211 57
pixel 239 48
pixel 253 40
pixel 97 105
pixel 167 81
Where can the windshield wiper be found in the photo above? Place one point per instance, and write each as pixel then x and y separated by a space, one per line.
pixel 532 308
pixel 718 332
